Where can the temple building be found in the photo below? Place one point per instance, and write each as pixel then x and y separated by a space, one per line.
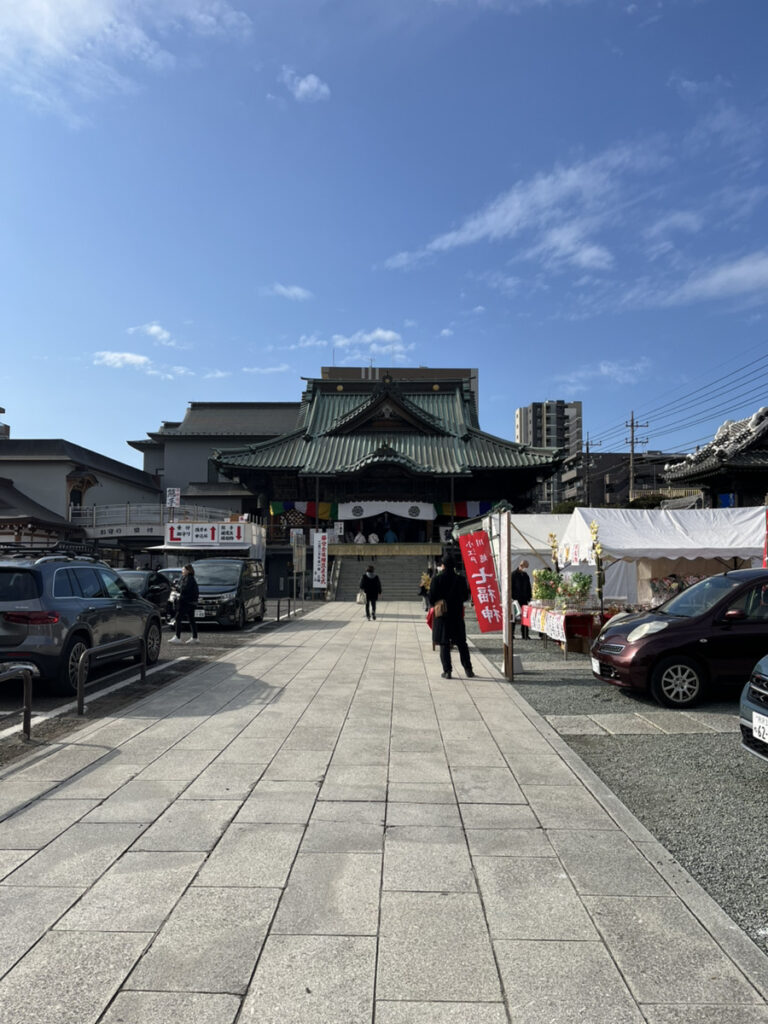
pixel 395 452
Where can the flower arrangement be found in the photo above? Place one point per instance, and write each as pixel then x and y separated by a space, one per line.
pixel 573 590
pixel 545 584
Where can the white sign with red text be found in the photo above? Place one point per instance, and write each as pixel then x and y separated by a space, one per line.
pixel 206 534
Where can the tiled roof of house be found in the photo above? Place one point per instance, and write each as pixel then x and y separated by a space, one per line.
pixel 738 444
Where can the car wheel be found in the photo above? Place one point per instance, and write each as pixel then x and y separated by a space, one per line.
pixel 152 640
pixel 262 609
pixel 66 681
pixel 240 617
pixel 677 683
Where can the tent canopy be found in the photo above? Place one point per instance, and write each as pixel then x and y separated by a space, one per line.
pixel 627 533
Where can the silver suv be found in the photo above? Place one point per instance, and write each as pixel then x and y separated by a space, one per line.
pixel 53 607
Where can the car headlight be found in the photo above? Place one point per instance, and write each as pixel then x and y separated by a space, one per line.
pixel 646 629
pixel 229 596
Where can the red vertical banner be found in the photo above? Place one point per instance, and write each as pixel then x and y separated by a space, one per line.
pixel 481 575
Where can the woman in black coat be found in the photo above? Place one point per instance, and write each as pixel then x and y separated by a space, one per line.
pixel 185 606
pixel 370 584
pixel 520 591
pixel 449 628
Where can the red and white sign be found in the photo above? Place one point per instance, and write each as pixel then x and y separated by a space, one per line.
pixel 320 560
pixel 481 575
pixel 205 534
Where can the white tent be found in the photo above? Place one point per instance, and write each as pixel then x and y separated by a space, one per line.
pixel 659 542
pixel 528 536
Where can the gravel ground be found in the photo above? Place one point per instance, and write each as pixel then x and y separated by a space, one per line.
pixel 701 795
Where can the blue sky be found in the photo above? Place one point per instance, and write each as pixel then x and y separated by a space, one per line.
pixel 205 200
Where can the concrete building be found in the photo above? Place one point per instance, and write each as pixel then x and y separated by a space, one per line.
pixel 551 424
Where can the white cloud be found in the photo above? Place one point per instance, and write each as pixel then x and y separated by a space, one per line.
pixel 60 54
pixel 306 89
pixel 479 309
pixel 267 369
pixel 216 374
pixel 364 345
pixel 745 276
pixel 157 332
pixel 678 220
pixel 568 244
pixel 378 336
pixel 289 291
pixel 446 333
pixel 606 370
pixel 119 360
pixel 689 88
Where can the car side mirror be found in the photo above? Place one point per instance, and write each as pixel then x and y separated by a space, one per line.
pixel 735 615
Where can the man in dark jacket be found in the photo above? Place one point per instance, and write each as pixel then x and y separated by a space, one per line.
pixel 449 628
pixel 520 589
pixel 370 584
pixel 185 606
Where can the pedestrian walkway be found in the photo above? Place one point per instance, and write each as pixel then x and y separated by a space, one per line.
pixel 318 829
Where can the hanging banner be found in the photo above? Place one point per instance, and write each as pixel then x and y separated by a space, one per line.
pixel 481 575
pixel 503 569
pixel 765 542
pixel 406 509
pixel 320 560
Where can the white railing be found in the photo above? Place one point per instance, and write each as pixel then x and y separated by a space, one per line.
pixel 144 514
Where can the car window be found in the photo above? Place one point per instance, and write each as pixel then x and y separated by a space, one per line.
pixel 701 597
pixel 88 582
pixel 753 602
pixel 113 585
pixel 64 584
pixel 18 585
pixel 223 574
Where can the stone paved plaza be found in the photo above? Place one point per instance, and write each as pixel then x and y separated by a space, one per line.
pixel 318 829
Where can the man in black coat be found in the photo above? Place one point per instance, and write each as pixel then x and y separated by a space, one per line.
pixel 449 628
pixel 520 589
pixel 370 584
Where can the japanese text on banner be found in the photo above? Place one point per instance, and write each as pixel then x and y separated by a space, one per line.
pixel 481 576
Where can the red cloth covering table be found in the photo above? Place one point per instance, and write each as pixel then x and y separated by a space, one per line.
pixel 560 626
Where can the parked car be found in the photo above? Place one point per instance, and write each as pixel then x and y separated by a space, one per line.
pixel 232 590
pixel 753 711
pixel 54 607
pixel 706 638
pixel 151 585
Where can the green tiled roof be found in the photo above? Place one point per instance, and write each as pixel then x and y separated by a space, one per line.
pixel 336 438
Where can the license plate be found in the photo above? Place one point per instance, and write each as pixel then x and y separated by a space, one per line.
pixel 760 727
pixel 199 613
pixel 596 666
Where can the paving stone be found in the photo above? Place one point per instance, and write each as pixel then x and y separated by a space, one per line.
pixel 606 864
pixel 486 786
pixel 509 842
pixel 38 824
pixel 423 814
pixel 27 913
pixel 694 1014
pixel 626 725
pixel 331 894
pixel 222 781
pixel 342 837
pixel 542 770
pixel 77 857
pixel 440 1013
pixel 664 953
pixel 421 793
pixel 718 723
pixel 355 782
pixel 96 783
pixel 137 801
pixel 298 766
pixel 567 982
pixel 410 766
pixel 179 764
pixel 677 722
pixel 162 1007
pixel 189 825
pixel 62 764
pixel 362 811
pixel 252 855
pixel 312 738
pixel 134 895
pixel 210 942
pixel 418 859
pixel 575 725
pixel 435 947
pixel 468 754
pixel 16 792
pixel 530 898
pixel 279 803
pixel 11 859
pixel 68 977
pixel 498 816
pixel 567 807
pixel 308 979
pixel 251 750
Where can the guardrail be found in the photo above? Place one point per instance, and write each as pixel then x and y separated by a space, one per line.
pixel 27 672
pixel 138 644
pixel 144 514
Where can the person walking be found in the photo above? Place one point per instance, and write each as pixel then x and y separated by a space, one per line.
pixel 520 591
pixel 370 584
pixel 448 628
pixel 185 605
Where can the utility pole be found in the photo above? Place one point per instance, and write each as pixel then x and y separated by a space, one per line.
pixel 587 465
pixel 632 441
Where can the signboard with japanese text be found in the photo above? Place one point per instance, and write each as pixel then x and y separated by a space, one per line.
pixel 320 560
pixel 173 497
pixel 207 534
pixel 481 576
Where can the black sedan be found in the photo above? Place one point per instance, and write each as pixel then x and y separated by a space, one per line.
pixel 152 586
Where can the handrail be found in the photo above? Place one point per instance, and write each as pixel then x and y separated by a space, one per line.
pixel 26 671
pixel 138 643
pixel 144 513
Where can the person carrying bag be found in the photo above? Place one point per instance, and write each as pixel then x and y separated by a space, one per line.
pixel 370 585
pixel 447 594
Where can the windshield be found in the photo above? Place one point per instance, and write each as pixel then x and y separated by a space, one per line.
pixel 18 585
pixel 217 574
pixel 133 578
pixel 701 597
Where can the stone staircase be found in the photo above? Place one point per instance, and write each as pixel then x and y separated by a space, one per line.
pixel 399 575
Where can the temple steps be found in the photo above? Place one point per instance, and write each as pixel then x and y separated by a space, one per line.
pixel 399 576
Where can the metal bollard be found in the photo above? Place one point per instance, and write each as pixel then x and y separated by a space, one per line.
pixel 26 725
pixel 278 609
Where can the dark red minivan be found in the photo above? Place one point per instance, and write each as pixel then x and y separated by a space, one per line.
pixel 707 637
